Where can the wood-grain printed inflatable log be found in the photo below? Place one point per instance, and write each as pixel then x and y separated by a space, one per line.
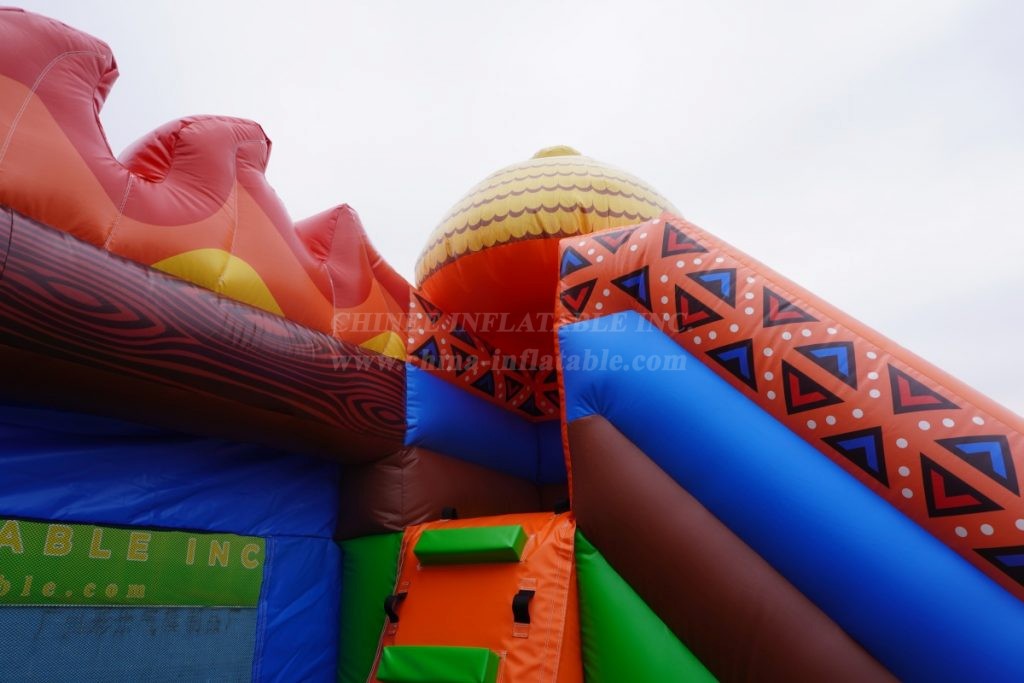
pixel 84 329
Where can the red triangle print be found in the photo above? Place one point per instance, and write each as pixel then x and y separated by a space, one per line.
pixel 614 239
pixel 433 312
pixel 675 241
pixel 944 499
pixel 575 298
pixel 803 393
pixel 779 311
pixel 910 396
pixel 691 312
pixel 512 388
pixel 946 494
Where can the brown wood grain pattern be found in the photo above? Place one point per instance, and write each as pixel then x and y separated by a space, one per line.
pixel 63 299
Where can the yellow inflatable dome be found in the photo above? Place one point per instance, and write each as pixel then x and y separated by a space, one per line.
pixel 495 252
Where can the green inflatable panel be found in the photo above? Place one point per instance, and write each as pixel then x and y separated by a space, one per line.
pixel 369 569
pixel 623 640
pixel 471 546
pixel 429 664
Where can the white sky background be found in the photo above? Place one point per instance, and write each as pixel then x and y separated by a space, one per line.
pixel 872 151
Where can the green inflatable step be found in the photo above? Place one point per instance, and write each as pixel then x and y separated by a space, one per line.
pixel 471 546
pixel 428 664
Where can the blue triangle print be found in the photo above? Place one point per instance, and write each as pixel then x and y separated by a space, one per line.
pixel 864 449
pixel 572 261
pixel 720 282
pixel 1009 560
pixel 485 383
pixel 738 359
pixel 428 352
pixel 836 358
pixel 988 454
pixel 636 285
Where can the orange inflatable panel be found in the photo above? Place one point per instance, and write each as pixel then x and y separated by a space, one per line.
pixel 507 584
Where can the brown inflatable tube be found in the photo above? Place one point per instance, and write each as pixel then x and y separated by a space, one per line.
pixel 414 485
pixel 739 616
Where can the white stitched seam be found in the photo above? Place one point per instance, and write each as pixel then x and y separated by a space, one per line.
pixel 35 86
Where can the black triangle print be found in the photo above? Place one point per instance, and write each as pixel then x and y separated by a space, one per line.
pixel 864 449
pixel 463 361
pixel 803 393
pixel 675 242
pixel 989 454
pixel 485 383
pixel 572 261
pixel 1009 560
pixel 911 396
pixel 721 282
pixel 551 378
pixel 552 396
pixel 481 343
pixel 738 359
pixel 512 387
pixel 636 285
pixel 946 494
pixel 433 312
pixel 463 336
pixel 613 241
pixel 575 298
pixel 529 406
pixel 691 311
pixel 836 358
pixel 428 352
pixel 780 311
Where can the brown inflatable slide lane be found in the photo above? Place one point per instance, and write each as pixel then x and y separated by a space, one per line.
pixel 739 616
pixel 414 485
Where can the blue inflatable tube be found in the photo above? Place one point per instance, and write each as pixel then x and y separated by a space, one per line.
pixel 80 468
pixel 915 604
pixel 450 420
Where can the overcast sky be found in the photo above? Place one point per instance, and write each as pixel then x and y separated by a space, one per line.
pixel 871 151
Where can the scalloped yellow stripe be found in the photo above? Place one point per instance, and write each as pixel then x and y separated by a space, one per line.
pixel 554 196
pixel 223 273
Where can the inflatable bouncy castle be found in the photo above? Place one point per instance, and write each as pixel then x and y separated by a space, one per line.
pixel 591 442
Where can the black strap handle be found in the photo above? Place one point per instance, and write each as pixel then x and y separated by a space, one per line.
pixel 521 606
pixel 391 606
